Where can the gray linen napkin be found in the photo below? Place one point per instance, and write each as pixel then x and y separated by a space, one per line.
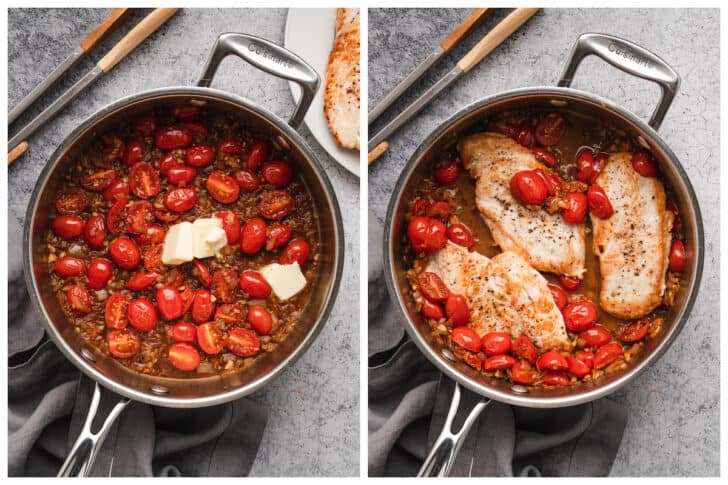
pixel 409 398
pixel 48 400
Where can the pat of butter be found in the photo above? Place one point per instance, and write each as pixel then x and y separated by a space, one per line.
pixel 177 247
pixel 286 280
pixel 209 237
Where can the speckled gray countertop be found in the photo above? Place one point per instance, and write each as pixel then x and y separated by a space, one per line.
pixel 673 426
pixel 313 425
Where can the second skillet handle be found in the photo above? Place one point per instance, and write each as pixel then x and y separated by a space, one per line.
pixel 630 58
pixel 269 57
pixel 83 453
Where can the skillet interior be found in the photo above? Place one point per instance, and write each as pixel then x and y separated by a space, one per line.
pixel 470 119
pixel 189 392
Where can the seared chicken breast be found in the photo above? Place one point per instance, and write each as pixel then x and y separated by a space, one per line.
pixel 504 294
pixel 633 244
pixel 545 240
pixel 341 95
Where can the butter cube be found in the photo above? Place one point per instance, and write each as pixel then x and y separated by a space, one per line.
pixel 177 248
pixel 286 280
pixel 208 237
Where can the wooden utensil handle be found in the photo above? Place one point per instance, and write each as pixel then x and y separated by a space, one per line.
pixel 377 151
pixel 104 28
pixel 17 151
pixel 135 37
pixel 463 29
pixel 494 38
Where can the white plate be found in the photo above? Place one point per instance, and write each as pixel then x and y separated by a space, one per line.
pixel 310 34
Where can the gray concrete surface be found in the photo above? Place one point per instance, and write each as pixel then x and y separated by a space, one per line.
pixel 673 426
pixel 313 428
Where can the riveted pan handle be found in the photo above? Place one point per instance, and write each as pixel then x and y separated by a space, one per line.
pixel 630 58
pixel 268 57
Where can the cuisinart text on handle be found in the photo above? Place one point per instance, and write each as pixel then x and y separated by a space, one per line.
pixel 264 51
pixel 628 54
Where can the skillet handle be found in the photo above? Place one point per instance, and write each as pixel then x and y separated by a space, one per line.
pixel 83 453
pixel 442 455
pixel 268 57
pixel 630 58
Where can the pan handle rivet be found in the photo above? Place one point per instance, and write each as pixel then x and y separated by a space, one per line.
pixel 157 389
pixel 643 142
pixel 198 102
pixel 559 103
pixel 519 389
pixel 88 355
pixel 447 354
pixel 283 143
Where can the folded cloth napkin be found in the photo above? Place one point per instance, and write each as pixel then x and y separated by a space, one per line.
pixel 48 400
pixel 409 399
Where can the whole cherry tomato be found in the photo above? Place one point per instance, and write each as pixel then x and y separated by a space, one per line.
pixel 552 181
pixel 577 367
pixel 523 373
pixel 523 348
pixel 144 180
pixel 142 315
pixel 432 310
pixel 466 338
pixel 125 253
pixel 181 175
pixel 259 318
pixel 202 306
pixel 123 343
pixel 252 283
pixel 559 295
pixel 555 379
pixel 525 135
pixel 71 201
pixel 67 226
pixel 68 266
pixel 643 164
pixel 146 125
pixel 230 146
pixel 447 172
pixel 456 309
pixel 139 216
pixel 97 181
pixel 432 286
pixel 606 354
pixel 94 232
pixel 172 138
pixel 580 316
pixel 258 153
pixel 247 180
pixel 183 356
pixel 198 130
pixel 543 155
pixel 588 167
pixel 253 235
pixel 141 280
pixel 168 162
pixel 474 360
pixel 551 361
pixel 586 357
pixel 277 173
pixel 296 251
pixel 439 210
pixel 277 236
pixel 276 204
pixel 598 201
pixel 576 210
pixel 593 337
pixel 569 283
pixel 528 187
pixel 677 257
pixel 231 224
pixel 180 199
pixel 119 189
pixel 133 153
pixel 184 332
pixel 550 129
pixel 115 313
pixel 460 235
pixel 222 187
pixel 498 362
pixel 635 331
pixel 504 128
pixel 243 342
pixel 99 273
pixel 495 343
pixel 426 235
pixel 200 155
pixel 224 285
pixel 420 206
pixel 210 338
pixel 186 112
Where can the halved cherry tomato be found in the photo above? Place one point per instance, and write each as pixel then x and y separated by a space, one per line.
pixel 153 257
pixel 141 280
pixel 426 235
pixel 497 362
pixel 677 257
pixel 142 315
pixel 67 226
pixel 186 112
pixel 466 338
pixel 420 206
pixel 202 272
pixel 180 199
pixel 229 313
pixel 586 357
pixel 119 189
pixel 252 283
pixel 181 175
pixel 145 124
pixel 153 234
pixel 187 295
pixel 123 343
pixel 456 309
pixel 598 201
pixel 576 211
pixel 165 216
pixel 559 295
pixel 593 337
pixel 144 180
pixel 672 207
pixel 275 204
pixel 109 150
pixel 460 235
pixel 523 373
pixel 230 146
pixel 253 235
pixel 432 310
pixel 474 360
pixel 210 338
pixel 577 367
pixel 125 253
pixel 550 129
pixel 555 379
pixel 525 135
pixel 139 215
pixel 543 155
pixel 133 153
pixel 222 187
pixel 447 172
pixel 504 128
pixel 67 266
pixel 231 225
pixel 169 302
pixel 172 138
pixel 247 180
pixel 94 232
pixel 97 181
pixel 551 361
pixel 439 210
pixel 243 342
pixel 277 173
pixel 523 348
pixel 168 162
pixel 635 331
pixel 432 286
pixel 495 343
pixel 552 181
pixel 184 332
pixel 202 306
pixel 115 313
pixel 606 354
pixel 277 236
pixel 643 164
pixel 527 187
pixel 115 218
pixel 183 356
pixel 580 316
pixel 296 251
pixel 99 273
pixel 259 318
pixel 224 285
pixel 569 283
pixel 71 201
pixel 257 154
